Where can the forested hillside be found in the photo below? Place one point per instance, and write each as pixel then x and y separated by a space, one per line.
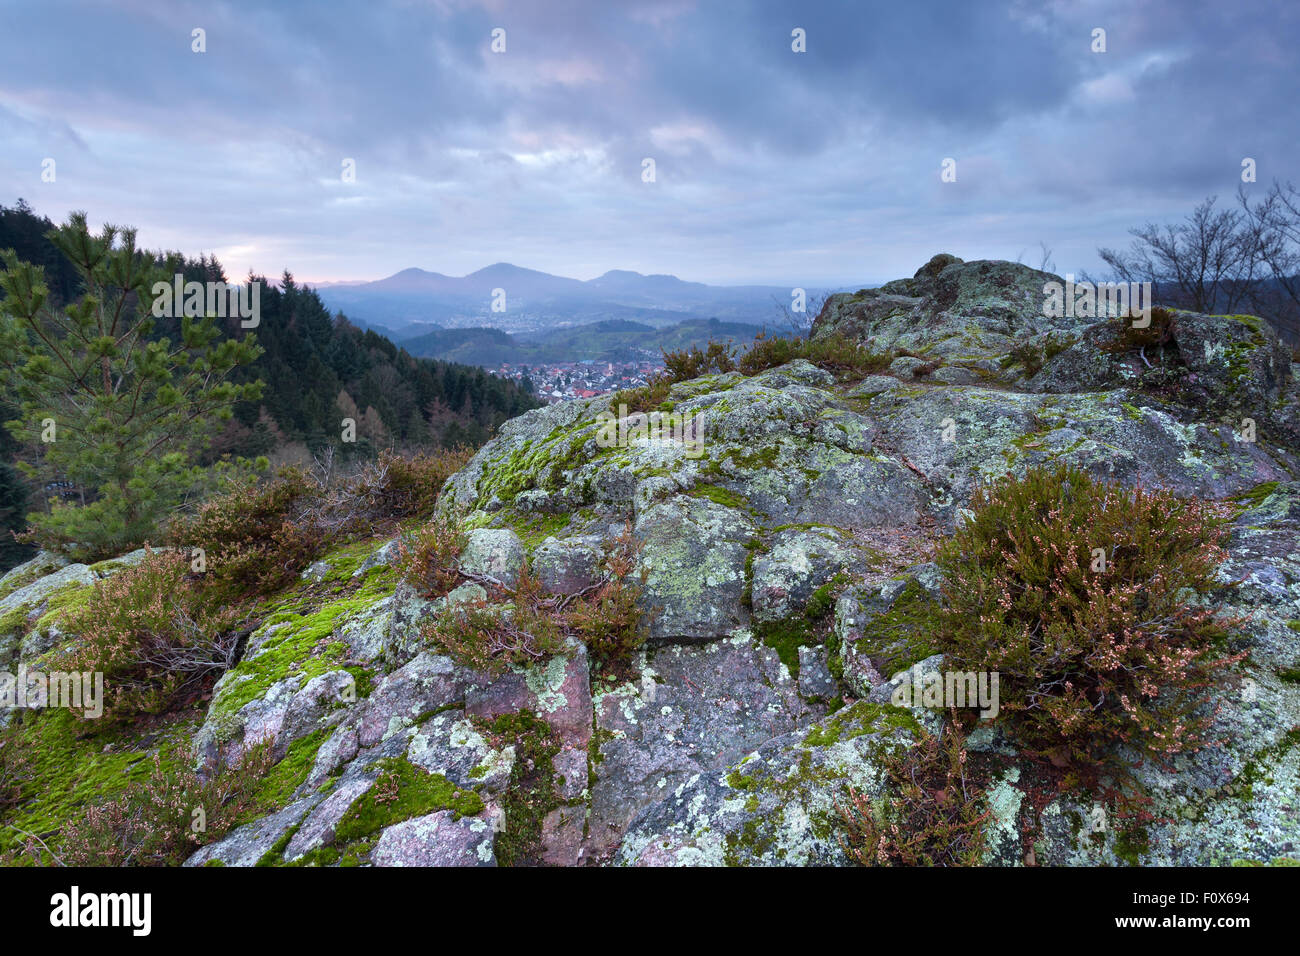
pixel 320 369
pixel 317 369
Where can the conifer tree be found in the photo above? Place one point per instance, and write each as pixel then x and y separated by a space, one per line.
pixel 106 403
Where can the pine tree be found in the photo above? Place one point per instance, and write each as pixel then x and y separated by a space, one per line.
pixel 106 404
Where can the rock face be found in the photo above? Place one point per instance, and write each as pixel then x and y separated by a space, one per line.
pixel 439 839
pixel 797 504
pixel 694 710
pixel 970 314
pixel 785 558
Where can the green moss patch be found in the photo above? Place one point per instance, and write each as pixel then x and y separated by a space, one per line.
pixel 71 769
pixel 12 584
pixel 858 720
pixel 722 496
pixel 906 633
pixel 1254 497
pixel 531 793
pixel 786 637
pixel 302 647
pixel 401 792
pixel 289 774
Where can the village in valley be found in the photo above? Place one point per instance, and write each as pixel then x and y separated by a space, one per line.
pixel 562 381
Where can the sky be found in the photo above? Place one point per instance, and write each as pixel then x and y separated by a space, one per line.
pixel 771 166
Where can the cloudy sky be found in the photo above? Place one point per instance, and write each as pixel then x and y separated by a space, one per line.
pixel 771 165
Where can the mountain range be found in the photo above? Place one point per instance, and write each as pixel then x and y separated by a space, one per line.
pixel 414 301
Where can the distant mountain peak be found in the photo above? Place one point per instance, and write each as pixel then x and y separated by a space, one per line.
pixel 508 268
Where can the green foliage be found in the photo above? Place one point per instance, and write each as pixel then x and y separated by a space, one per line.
pixel 1089 654
pixel 25 233
pixel 932 813
pixel 163 820
pixel 155 636
pixel 310 361
pixel 13 517
pixel 109 407
pixel 316 363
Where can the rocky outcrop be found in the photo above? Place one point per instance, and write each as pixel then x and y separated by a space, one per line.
pixel 785 558
pixel 969 314
pixel 805 485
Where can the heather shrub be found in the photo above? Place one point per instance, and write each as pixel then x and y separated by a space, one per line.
pixel 258 537
pixel 643 399
pixel 154 635
pixel 691 363
pixel 397 488
pixel 932 813
pixel 163 820
pixel 1025 354
pixel 1154 336
pixel 1033 355
pixel 255 538
pixel 679 366
pixel 384 492
pixel 491 638
pixel 835 353
pixel 1086 599
pixel 428 557
pixel 772 352
pixel 843 356
pixel 525 624
pixel 609 620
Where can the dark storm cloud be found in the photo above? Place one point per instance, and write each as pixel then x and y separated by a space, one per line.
pixel 772 165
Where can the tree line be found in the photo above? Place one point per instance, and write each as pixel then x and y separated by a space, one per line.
pixel 1223 260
